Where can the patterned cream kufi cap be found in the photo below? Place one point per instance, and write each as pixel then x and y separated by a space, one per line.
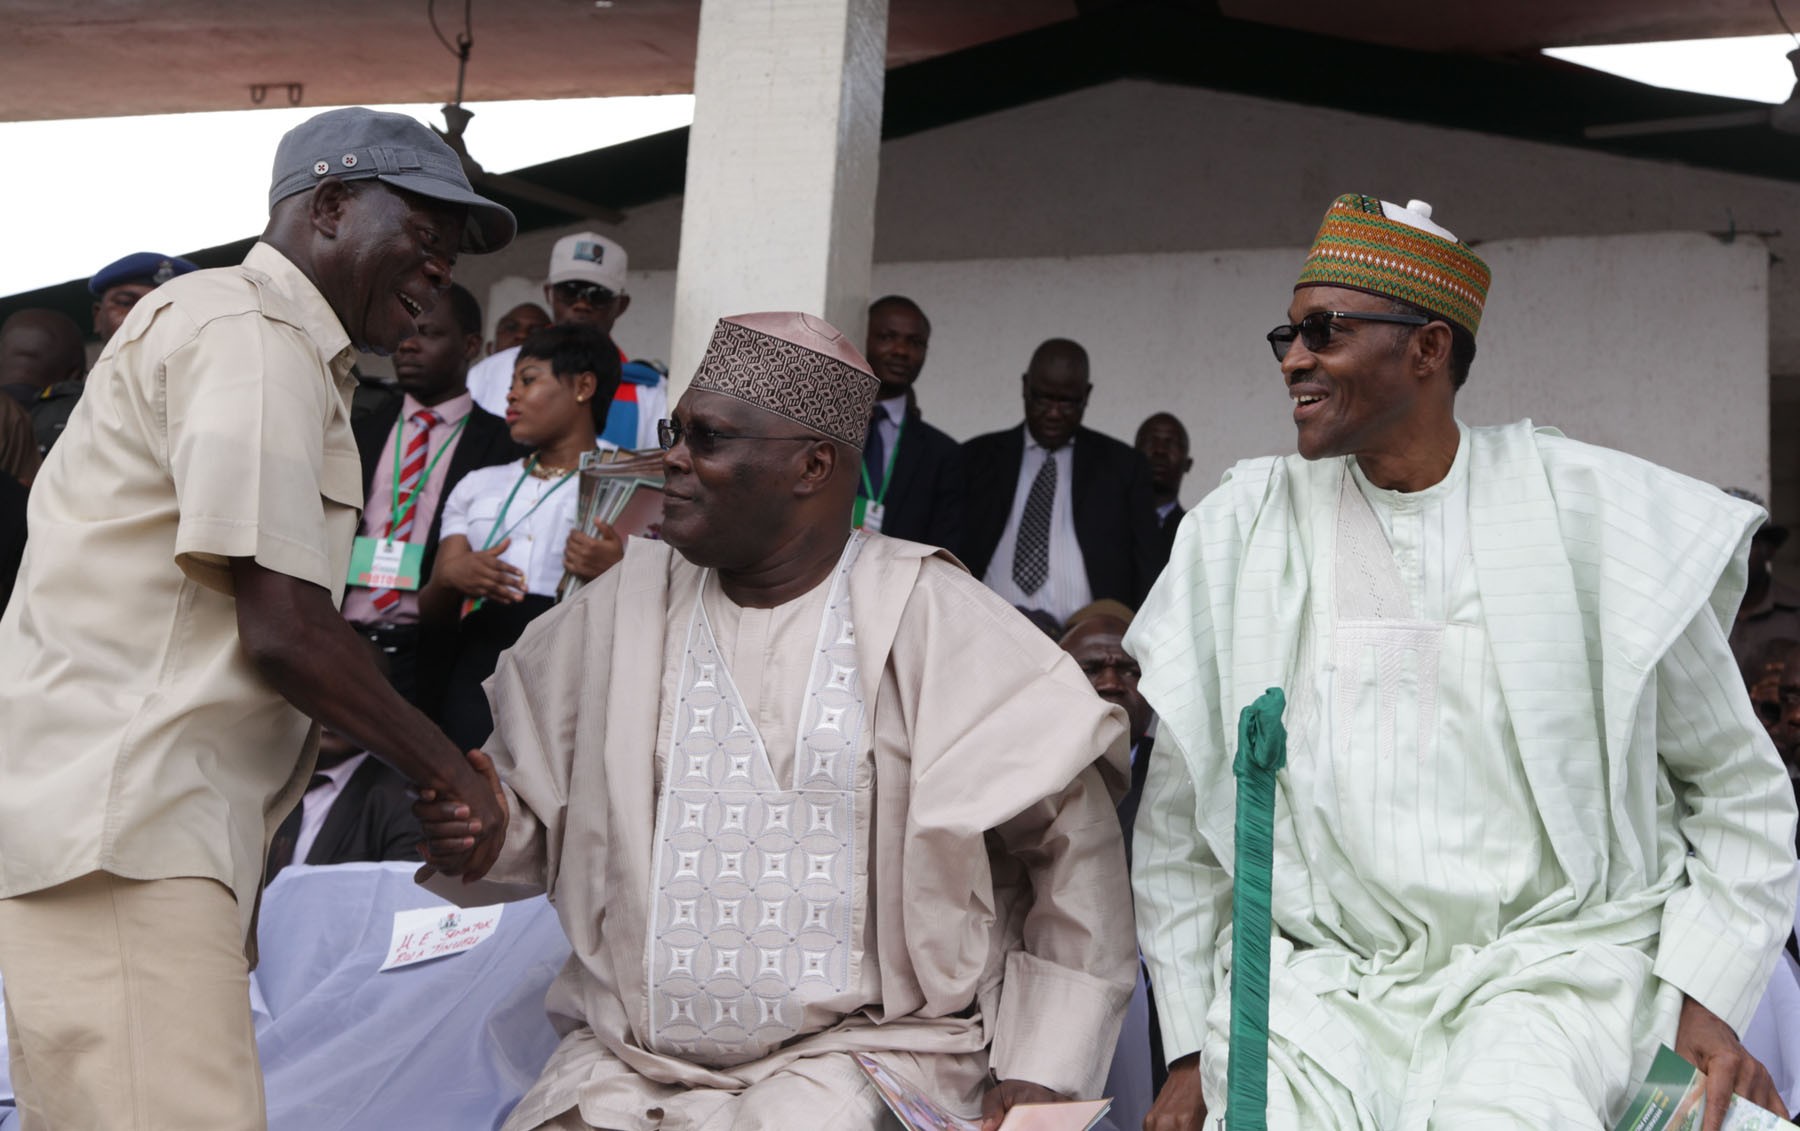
pixel 1368 244
pixel 793 365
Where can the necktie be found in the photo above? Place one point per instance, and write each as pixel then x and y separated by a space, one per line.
pixel 412 471
pixel 1031 553
pixel 875 455
pixel 287 835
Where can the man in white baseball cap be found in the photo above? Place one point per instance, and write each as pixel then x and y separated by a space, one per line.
pixel 586 285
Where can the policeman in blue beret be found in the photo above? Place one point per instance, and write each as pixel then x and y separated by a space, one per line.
pixel 117 286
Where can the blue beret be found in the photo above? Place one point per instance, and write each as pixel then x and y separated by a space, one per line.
pixel 139 267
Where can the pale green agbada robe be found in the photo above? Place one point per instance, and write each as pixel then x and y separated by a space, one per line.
pixel 1486 908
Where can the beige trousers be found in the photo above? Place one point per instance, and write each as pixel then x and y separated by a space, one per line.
pixel 128 1007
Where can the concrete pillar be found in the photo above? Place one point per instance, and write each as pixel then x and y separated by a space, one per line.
pixel 779 212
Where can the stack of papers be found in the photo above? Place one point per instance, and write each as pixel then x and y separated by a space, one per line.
pixel 919 1112
pixel 621 489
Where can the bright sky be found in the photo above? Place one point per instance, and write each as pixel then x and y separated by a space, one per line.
pixel 171 183
pixel 136 184
pixel 1753 66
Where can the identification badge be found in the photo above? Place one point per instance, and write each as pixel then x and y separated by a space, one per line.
pixel 382 563
pixel 872 516
pixel 867 515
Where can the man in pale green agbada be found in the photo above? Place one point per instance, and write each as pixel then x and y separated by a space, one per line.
pixel 1529 828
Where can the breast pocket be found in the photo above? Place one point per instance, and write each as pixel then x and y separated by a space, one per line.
pixel 484 514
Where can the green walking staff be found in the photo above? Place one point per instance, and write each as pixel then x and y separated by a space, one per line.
pixel 1262 750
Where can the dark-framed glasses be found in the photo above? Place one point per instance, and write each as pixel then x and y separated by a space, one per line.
pixel 574 291
pixel 702 440
pixel 1314 331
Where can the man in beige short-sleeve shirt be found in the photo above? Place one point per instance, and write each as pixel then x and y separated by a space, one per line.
pixel 175 622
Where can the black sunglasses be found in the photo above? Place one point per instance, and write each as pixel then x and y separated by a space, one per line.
pixel 702 441
pixel 1314 331
pixel 593 293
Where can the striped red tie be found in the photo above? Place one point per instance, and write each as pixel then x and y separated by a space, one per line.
pixel 412 471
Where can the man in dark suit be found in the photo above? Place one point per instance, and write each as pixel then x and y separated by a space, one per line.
pixel 913 485
pixel 416 447
pixel 1164 443
pixel 1059 515
pixel 355 809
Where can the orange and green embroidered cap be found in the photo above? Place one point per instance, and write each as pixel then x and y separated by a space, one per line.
pixel 1370 245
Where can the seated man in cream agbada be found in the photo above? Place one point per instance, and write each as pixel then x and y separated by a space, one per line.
pixel 800 792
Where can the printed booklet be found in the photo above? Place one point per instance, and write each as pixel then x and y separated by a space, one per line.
pixel 622 489
pixel 919 1112
pixel 1673 1096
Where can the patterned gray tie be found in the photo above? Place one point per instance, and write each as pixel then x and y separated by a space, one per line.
pixel 1031 553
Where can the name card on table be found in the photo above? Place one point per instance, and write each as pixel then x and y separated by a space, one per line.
pixel 433 932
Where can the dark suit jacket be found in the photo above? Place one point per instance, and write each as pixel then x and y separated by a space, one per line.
pixel 484 442
pixel 1134 796
pixel 371 819
pixel 1169 526
pixel 926 499
pixel 13 497
pixel 1115 521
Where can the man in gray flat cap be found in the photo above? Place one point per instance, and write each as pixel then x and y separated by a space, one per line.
pixel 175 623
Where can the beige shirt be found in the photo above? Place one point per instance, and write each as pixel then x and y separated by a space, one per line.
pixel 135 736
pixel 999 924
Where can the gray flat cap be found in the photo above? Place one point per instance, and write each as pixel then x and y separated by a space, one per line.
pixel 356 142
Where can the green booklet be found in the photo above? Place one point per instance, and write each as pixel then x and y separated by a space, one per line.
pixel 1673 1098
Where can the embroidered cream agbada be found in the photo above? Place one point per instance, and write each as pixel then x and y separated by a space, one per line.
pixel 876 818
pixel 1526 804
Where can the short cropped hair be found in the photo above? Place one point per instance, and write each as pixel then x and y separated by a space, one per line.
pixel 572 350
pixel 1462 343
pixel 464 309
pixel 905 303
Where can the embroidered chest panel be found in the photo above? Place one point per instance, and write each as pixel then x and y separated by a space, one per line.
pixel 755 879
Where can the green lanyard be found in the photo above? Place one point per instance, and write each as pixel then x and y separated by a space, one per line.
pixel 394 515
pixel 887 476
pixel 494 535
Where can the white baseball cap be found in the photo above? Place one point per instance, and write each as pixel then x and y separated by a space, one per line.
pixel 588 257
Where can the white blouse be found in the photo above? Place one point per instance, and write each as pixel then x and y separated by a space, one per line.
pixel 538 536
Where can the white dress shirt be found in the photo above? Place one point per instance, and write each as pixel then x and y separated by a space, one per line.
pixel 1065 589
pixel 888 415
pixel 538 535
pixel 318 801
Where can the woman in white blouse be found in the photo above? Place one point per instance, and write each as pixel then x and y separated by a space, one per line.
pixel 508 532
